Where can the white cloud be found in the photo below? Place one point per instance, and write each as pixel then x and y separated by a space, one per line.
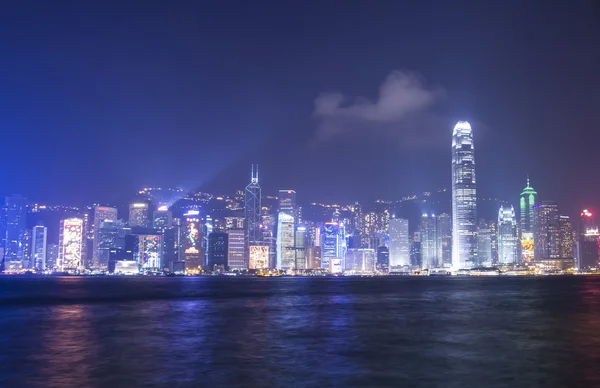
pixel 401 95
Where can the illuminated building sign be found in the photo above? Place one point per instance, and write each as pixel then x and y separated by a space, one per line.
pixel 586 213
pixel 259 257
pixel 139 205
pixel 150 251
pixel 527 246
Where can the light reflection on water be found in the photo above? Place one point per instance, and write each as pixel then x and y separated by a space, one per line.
pixel 189 332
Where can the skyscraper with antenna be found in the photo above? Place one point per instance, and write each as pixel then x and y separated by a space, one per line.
pixel 252 210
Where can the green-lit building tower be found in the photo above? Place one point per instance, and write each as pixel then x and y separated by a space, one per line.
pixel 527 202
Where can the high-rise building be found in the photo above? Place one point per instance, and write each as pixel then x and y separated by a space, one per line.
pixel 236 247
pixel 173 247
pixel 16 214
pixel 163 218
pixel 207 229
pixel 566 246
pixel 259 257
pixel 26 262
pixel 484 244
pixel 217 251
pixel 269 225
pixel 286 253
pixel 149 251
pixel 38 247
pixel 329 244
pixel 587 249
pixel 415 250
pixel 527 202
pixel 192 241
pixel 444 240
pixel 101 214
pixel 287 202
pixel 464 197
pixel 507 235
pixel 313 257
pixel 252 211
pixel 360 261
pixel 383 259
pixel 71 245
pixel 429 241
pixel 234 223
pixel 546 230
pixel 52 255
pixel 139 215
pixel 300 247
pixel 399 249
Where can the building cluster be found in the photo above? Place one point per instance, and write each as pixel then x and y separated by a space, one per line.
pixel 169 231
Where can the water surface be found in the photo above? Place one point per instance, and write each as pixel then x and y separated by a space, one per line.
pixel 299 332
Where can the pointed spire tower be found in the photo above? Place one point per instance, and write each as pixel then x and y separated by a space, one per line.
pixel 526 203
pixel 252 209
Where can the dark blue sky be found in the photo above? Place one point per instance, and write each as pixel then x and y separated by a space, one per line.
pixel 100 99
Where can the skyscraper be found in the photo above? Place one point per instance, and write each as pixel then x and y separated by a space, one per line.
pixel 38 247
pixel 546 230
pixel 300 247
pixel 192 241
pixel 101 214
pixel 587 249
pixel 527 202
pixel 287 202
pixel 139 214
pixel 429 241
pixel 163 219
pixel 507 235
pixel 286 253
pixel 360 261
pixel 399 250
pixel 464 197
pixel 109 235
pixel 383 259
pixel 252 212
pixel 235 248
pixel 484 244
pixel 444 240
pixel 330 247
pixel 70 254
pixel 16 214
pixel 566 238
pixel 217 251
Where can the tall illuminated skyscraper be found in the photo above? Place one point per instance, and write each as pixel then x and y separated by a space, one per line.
pixel 566 248
pixel 399 250
pixel 139 215
pixel 429 241
pixel 16 213
pixel 527 202
pixel 101 214
pixel 252 212
pixel 464 197
pixel 546 230
pixel 286 254
pixel 287 202
pixel 70 251
pixel 444 240
pixel 507 235
pixel 38 247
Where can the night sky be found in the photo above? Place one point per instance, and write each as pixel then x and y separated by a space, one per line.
pixel 339 100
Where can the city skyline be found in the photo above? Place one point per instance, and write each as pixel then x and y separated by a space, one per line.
pixel 387 100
